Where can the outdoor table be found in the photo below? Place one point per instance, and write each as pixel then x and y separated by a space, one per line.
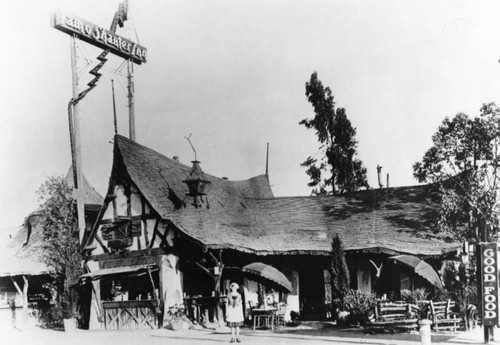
pixel 200 307
pixel 263 313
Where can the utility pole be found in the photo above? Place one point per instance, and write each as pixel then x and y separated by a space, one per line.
pixel 76 154
pixel 131 92
pixel 114 107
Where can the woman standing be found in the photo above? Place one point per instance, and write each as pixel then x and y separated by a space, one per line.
pixel 234 312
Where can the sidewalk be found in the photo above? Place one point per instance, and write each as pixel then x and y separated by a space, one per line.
pixel 248 336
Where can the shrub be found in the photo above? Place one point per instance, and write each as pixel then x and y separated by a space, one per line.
pixel 414 296
pixel 359 304
pixel 61 248
pixel 418 297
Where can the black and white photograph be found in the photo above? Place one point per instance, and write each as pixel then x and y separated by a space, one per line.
pixel 248 171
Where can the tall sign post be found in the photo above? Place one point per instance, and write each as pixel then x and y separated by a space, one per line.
pixel 111 43
pixel 489 286
pixel 131 107
pixel 76 157
pixel 490 283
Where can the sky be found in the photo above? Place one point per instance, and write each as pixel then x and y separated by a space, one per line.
pixel 232 74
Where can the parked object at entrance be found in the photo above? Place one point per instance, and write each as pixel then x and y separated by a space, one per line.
pixel 420 267
pixel 395 317
pixel 264 317
pixel 444 316
pixel 259 271
pixel 280 315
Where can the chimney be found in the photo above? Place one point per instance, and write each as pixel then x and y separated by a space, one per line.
pixel 379 174
pixel 387 183
pixel 267 160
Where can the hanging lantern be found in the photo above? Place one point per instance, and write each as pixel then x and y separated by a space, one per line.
pixel 197 184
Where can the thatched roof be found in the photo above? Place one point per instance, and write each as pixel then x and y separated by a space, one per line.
pixel 245 216
pixel 19 257
pixel 21 248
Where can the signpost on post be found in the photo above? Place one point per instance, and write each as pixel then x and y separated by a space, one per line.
pixel 99 37
pixel 111 42
pixel 489 287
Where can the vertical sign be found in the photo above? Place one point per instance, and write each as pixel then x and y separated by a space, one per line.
pixel 489 279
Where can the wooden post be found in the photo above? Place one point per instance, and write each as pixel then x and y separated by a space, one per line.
pixel 97 316
pixel 115 122
pixel 76 144
pixel 488 330
pixel 24 295
pixel 25 301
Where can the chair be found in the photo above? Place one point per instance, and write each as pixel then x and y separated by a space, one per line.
pixel 443 316
pixel 280 315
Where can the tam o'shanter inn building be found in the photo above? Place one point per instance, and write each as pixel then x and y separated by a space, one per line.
pixel 155 248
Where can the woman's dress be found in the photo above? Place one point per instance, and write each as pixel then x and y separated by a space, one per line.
pixel 234 311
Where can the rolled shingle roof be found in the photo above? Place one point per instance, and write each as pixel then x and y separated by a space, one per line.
pixel 245 216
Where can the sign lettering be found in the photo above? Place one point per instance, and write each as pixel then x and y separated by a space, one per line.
pixel 99 37
pixel 489 275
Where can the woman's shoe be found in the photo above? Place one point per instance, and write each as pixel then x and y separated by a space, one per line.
pixel 232 341
pixel 238 340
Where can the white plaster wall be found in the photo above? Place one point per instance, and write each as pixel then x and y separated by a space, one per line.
pixel 98 250
pixel 108 214
pixel 250 289
pixel 292 300
pixel 151 225
pixel 135 200
pixel 121 201
pixel 171 286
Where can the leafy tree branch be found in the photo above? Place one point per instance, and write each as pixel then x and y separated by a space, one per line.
pixel 338 170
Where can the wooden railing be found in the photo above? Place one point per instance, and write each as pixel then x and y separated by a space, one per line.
pixel 139 314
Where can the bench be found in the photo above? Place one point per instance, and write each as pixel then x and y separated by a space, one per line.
pixel 395 317
pixel 444 316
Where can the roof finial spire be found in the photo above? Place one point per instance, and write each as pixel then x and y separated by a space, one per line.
pixel 267 160
pixel 379 174
pixel 189 141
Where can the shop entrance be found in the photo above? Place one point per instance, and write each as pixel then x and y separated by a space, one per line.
pixel 312 293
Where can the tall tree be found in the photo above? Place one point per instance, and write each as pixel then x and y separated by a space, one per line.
pixel 60 238
pixel 338 170
pixel 464 161
pixel 339 273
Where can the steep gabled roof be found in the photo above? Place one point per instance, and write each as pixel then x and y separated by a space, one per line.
pixel 245 216
pixel 91 198
pixel 90 195
pixel 160 178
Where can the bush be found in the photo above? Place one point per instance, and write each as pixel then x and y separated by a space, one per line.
pixel 359 304
pixel 419 298
pixel 414 296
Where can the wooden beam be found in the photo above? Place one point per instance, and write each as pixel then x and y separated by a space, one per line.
pixel 206 270
pixel 131 254
pixel 16 286
pixel 217 262
pixel 115 212
pixel 154 233
pixel 110 197
pixel 144 221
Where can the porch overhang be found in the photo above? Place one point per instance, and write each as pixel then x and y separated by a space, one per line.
pixel 120 271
